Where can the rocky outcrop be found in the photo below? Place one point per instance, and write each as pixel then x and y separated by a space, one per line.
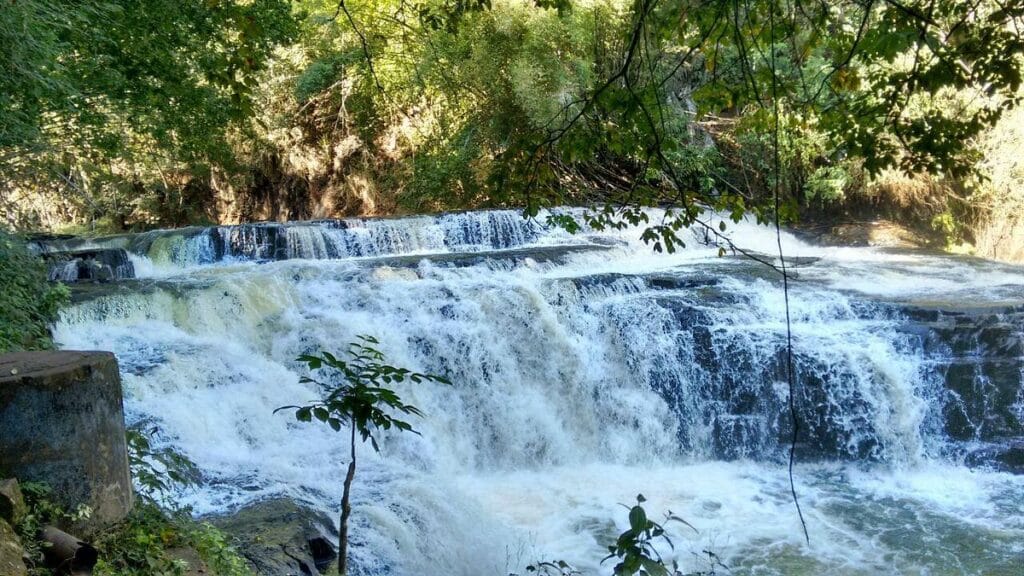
pixel 12 505
pixel 980 353
pixel 879 233
pixel 99 265
pixel 62 423
pixel 280 537
pixel 190 559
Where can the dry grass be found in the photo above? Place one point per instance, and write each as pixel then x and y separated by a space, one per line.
pixel 999 231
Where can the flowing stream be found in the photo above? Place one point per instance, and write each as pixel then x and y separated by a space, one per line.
pixel 586 369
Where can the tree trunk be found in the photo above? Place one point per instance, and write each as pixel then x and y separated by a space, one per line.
pixel 346 509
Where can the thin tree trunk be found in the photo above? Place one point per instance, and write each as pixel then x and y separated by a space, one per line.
pixel 346 509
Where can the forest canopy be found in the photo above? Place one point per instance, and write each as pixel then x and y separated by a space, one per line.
pixel 135 114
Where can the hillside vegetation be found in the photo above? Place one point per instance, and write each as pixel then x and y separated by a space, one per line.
pixel 134 114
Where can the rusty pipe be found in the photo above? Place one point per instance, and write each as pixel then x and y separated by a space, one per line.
pixel 66 554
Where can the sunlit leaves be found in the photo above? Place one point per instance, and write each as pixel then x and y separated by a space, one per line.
pixel 28 303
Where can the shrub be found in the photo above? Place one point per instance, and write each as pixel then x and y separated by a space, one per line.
pixel 358 397
pixel 28 303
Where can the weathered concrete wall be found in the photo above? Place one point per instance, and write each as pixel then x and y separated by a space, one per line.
pixel 62 422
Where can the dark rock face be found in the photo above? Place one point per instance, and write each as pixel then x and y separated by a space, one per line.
pixel 62 422
pixel 727 384
pixel 101 265
pixel 981 354
pixel 280 537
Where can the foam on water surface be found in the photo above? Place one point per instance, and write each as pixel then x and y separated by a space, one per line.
pixel 579 382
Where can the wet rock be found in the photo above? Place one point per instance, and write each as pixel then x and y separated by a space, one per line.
pixel 681 281
pixel 194 565
pixel 100 265
pixel 62 423
pixel 1012 458
pixel 510 257
pixel 881 233
pixel 1007 457
pixel 979 353
pixel 983 398
pixel 280 537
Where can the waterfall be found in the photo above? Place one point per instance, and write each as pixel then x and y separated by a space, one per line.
pixel 334 239
pixel 587 369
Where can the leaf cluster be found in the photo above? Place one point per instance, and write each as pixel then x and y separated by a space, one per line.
pixel 140 545
pixel 135 546
pixel 29 304
pixel 104 103
pixel 635 548
pixel 157 471
pixel 359 393
pixel 552 568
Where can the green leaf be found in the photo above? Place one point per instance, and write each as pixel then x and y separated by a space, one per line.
pixel 637 519
pixel 653 567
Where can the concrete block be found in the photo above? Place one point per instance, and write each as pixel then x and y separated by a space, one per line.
pixel 62 422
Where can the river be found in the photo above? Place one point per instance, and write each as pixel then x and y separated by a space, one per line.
pixel 587 369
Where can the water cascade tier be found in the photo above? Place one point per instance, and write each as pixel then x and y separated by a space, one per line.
pixel 587 369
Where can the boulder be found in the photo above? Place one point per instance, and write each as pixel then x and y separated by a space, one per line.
pixel 62 423
pixel 99 265
pixel 12 505
pixel 880 233
pixel 280 537
pixel 1004 456
pixel 194 565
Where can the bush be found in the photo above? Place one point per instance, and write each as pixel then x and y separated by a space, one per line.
pixel 141 545
pixel 145 543
pixel 28 302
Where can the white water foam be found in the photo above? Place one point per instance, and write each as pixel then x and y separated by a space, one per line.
pixel 577 385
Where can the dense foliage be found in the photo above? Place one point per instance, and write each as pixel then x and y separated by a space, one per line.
pixel 28 303
pixel 142 544
pixel 132 114
pixel 108 103
pixel 151 540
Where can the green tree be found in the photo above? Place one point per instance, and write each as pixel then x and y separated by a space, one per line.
pixel 358 397
pixel 105 102
pixel 28 303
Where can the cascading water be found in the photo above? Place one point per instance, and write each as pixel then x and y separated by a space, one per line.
pixel 585 370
